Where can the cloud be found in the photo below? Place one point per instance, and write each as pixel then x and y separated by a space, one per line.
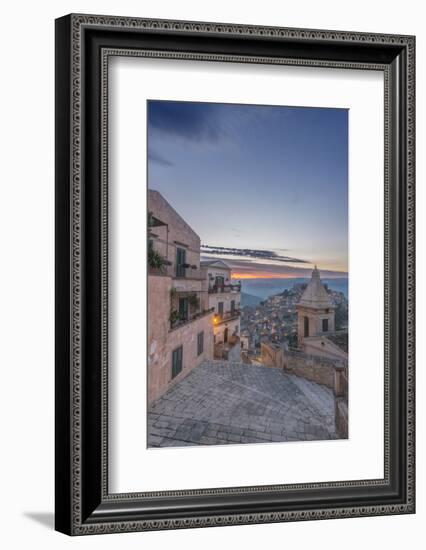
pixel 252 253
pixel 158 159
pixel 255 269
pixel 191 121
pixel 210 122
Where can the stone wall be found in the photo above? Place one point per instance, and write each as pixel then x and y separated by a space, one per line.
pixel 322 346
pixel 271 355
pixel 162 340
pixel 332 373
pixel 317 369
pixel 341 417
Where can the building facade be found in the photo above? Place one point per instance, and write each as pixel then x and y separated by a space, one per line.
pixel 323 352
pixel 224 298
pixel 316 332
pixel 180 320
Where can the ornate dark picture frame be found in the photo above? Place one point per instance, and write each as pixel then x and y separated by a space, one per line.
pixel 84 44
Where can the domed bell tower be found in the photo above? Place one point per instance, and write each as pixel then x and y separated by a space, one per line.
pixel 315 311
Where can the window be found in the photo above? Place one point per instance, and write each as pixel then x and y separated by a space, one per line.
pixel 180 262
pixel 220 308
pixel 325 325
pixel 306 326
pixel 232 306
pixel 200 343
pixel 219 281
pixel 184 309
pixel 177 361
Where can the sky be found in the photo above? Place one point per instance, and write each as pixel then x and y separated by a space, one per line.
pixel 265 187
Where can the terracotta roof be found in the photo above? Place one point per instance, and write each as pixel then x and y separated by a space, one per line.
pixel 315 294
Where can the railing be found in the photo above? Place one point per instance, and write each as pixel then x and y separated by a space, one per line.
pixel 157 264
pixel 181 321
pixel 218 289
pixel 226 316
pixel 223 349
pixel 295 352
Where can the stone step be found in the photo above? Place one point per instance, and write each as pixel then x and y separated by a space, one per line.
pixel 321 397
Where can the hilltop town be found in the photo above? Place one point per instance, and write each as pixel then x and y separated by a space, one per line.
pixel 274 320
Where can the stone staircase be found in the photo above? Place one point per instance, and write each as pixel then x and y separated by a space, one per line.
pixel 320 397
pixel 223 402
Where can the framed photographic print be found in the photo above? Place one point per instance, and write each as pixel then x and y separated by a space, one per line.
pixel 234 274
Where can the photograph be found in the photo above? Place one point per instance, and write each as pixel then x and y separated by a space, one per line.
pixel 247 274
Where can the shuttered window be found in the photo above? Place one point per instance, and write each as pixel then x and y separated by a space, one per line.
pixel 180 261
pixel 183 309
pixel 200 343
pixel 177 357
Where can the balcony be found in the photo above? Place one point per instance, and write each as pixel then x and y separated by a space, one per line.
pixel 158 264
pixel 218 289
pixel 229 351
pixel 178 320
pixel 226 316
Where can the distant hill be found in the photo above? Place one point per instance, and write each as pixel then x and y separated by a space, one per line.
pixel 249 299
pixel 263 288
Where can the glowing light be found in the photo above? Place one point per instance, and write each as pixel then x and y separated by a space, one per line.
pixel 261 275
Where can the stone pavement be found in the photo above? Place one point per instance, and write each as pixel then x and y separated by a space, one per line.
pixel 222 402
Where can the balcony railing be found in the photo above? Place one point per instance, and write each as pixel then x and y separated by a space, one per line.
pixel 222 349
pixel 217 289
pixel 226 316
pixel 178 321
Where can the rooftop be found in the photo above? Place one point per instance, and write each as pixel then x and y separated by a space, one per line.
pixel 315 295
pixel 340 339
pixel 214 263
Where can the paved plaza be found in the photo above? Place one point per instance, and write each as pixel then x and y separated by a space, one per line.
pixel 222 402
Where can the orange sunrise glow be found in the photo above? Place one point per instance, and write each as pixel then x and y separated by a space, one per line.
pixel 270 275
pixel 260 275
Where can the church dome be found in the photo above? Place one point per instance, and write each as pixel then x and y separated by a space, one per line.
pixel 315 294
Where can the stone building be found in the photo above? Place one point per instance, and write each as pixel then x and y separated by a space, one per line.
pixel 315 310
pixel 224 298
pixel 180 319
pixel 323 352
pixel 316 323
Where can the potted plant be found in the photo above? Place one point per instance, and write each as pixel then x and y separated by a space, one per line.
pixel 174 317
pixel 155 260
